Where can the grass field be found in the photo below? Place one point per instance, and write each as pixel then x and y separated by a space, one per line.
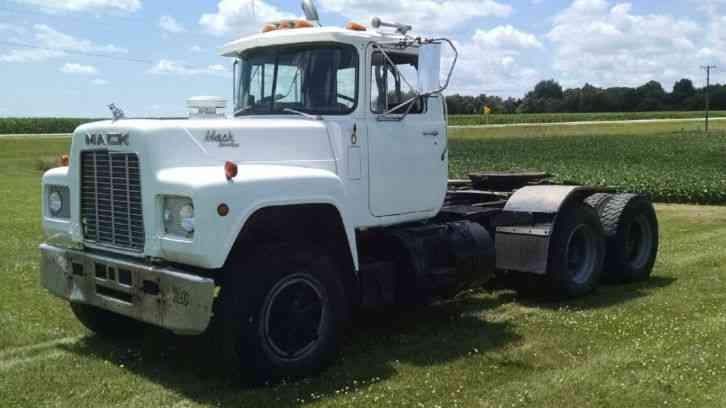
pixel 499 119
pixel 658 343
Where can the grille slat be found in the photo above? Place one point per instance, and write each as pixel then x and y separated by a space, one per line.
pixel 111 199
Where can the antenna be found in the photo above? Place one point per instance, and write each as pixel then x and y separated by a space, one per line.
pixel 400 28
pixel 311 12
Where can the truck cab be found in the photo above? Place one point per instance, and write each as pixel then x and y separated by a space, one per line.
pixel 325 191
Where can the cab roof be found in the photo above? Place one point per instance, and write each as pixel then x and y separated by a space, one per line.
pixel 306 35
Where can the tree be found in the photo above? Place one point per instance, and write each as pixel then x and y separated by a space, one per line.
pixel 652 89
pixel 549 89
pixel 683 90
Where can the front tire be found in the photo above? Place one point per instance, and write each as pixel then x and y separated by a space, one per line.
pixel 284 313
pixel 577 252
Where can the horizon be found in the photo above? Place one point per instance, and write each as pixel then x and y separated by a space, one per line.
pixel 73 58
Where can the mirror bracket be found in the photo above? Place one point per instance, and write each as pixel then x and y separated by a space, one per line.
pixel 387 116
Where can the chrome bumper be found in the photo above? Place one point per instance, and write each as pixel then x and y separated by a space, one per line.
pixel 162 296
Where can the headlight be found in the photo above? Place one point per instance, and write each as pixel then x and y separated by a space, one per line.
pixel 179 216
pixel 58 198
pixel 55 203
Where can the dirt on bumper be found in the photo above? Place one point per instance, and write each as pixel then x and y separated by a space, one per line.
pixel 162 296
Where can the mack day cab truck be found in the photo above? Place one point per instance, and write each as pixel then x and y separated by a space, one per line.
pixel 326 192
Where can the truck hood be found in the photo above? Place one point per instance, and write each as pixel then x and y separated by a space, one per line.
pixel 165 144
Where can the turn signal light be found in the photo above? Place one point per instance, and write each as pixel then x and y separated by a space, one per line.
pixel 65 160
pixel 355 26
pixel 230 170
pixel 223 210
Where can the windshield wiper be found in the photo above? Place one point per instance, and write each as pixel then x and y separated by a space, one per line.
pixel 243 110
pixel 307 115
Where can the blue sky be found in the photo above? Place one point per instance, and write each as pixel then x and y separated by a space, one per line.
pixel 506 45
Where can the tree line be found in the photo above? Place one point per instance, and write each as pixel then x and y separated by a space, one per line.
pixel 549 97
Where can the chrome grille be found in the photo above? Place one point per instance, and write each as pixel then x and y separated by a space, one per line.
pixel 111 212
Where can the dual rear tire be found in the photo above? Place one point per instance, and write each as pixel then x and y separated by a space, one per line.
pixel 630 225
pixel 612 238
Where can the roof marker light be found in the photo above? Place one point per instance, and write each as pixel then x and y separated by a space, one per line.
pixel 355 26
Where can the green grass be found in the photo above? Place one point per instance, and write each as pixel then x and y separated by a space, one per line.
pixel 653 344
pixel 498 119
pixel 672 162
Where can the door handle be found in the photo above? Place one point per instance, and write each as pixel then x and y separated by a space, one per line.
pixel 434 133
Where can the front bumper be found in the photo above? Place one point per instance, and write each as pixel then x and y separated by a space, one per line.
pixel 162 296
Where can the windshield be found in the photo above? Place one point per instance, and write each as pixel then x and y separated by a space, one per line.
pixel 319 79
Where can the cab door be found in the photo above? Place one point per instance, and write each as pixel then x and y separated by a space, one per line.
pixel 408 164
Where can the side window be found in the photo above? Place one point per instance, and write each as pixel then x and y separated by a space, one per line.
pixel 388 88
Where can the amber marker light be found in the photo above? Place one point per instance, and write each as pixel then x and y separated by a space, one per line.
pixel 223 210
pixel 355 26
pixel 230 170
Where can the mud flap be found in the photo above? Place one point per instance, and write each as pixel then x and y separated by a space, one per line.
pixel 526 224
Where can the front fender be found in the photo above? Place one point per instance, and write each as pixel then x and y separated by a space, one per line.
pixel 256 186
pixel 58 231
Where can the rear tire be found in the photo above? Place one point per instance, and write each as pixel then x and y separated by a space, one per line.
pixel 598 201
pixel 631 226
pixel 107 324
pixel 284 313
pixel 577 252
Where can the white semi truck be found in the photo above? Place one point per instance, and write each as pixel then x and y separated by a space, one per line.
pixel 326 192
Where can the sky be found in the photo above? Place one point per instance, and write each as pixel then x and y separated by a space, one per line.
pixel 74 57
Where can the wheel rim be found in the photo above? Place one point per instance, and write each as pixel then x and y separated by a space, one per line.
pixel 639 242
pixel 581 254
pixel 293 317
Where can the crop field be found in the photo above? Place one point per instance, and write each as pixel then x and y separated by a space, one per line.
pixel 66 125
pixel 672 162
pixel 653 344
pixel 500 119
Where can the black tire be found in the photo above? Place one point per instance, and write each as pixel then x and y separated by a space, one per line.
pixel 107 324
pixel 598 201
pixel 577 252
pixel 284 313
pixel 631 227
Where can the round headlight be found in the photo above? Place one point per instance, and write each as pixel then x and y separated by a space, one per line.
pixel 186 216
pixel 55 203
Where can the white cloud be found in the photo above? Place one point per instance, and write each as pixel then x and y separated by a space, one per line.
pixel 30 55
pixel 84 5
pixel 195 48
pixel 170 67
pixel 99 82
pixel 236 17
pixel 494 71
pixel 78 69
pixel 51 38
pixel 169 24
pixel 607 44
pixel 506 37
pixel 54 44
pixel 425 15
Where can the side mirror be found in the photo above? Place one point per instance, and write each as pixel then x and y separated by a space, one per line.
pixel 429 68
